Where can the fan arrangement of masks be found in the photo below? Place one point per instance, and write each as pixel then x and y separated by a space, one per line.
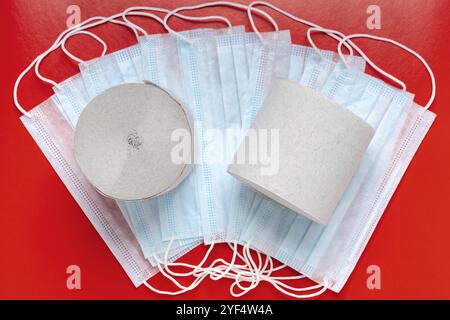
pixel 282 151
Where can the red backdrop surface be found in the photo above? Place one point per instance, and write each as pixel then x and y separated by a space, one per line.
pixel 43 230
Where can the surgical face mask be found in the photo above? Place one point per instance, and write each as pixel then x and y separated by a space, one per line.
pixel 100 74
pixel 265 216
pixel 161 66
pixel 165 73
pixel 72 97
pixel 143 217
pixel 338 247
pixel 121 66
pixel 338 86
pixel 311 68
pixel 200 70
pixel 270 59
pixel 54 136
pixel 129 61
pixel 335 273
pixel 305 241
pixel 399 134
pixel 181 210
pixel 75 97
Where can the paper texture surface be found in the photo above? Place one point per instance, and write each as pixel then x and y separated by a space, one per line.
pixel 320 146
pixel 123 141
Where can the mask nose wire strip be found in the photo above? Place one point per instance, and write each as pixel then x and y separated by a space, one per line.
pixel 400 45
pixel 213 4
pixel 287 14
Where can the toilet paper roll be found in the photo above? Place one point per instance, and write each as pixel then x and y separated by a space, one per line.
pixel 125 140
pixel 316 150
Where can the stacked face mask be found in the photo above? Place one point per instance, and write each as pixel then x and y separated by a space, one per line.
pixel 97 76
pixel 200 209
pixel 328 254
pixel 54 136
pixel 223 76
pixel 304 64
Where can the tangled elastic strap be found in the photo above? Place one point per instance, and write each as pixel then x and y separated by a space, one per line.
pixel 246 276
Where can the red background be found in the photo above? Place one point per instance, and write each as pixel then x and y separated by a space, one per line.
pixel 42 229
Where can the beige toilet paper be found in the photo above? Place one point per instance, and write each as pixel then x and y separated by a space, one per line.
pixel 319 147
pixel 124 143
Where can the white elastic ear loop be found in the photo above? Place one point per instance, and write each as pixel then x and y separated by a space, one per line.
pixel 274 280
pixel 88 33
pixel 87 23
pixel 198 271
pixel 101 20
pixel 137 10
pixel 256 276
pixel 370 62
pixel 178 34
pixel 82 30
pixel 283 12
pixel 82 26
pixel 323 287
pixel 277 269
pixel 282 287
pixel 215 272
pixel 402 46
pixel 165 270
pixel 183 289
pixel 194 267
pixel 237 274
pixel 327 32
pixel 213 4
pixel 34 62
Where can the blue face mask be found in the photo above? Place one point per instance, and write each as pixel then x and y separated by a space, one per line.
pixel 72 97
pixel 199 66
pixel 262 72
pixel 187 212
pixel 178 214
pixel 308 247
pixel 265 217
pixel 325 254
pixel 98 75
